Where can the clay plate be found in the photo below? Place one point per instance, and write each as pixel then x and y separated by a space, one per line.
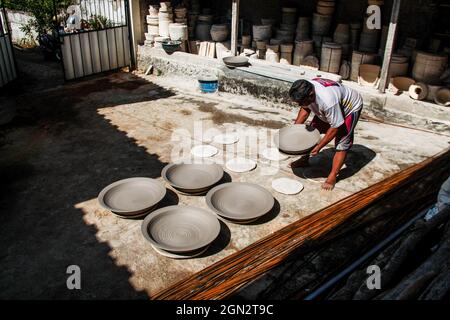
pixel 192 177
pixel 236 61
pixel 180 228
pixel 296 139
pixel 240 201
pixel 132 196
pixel 180 255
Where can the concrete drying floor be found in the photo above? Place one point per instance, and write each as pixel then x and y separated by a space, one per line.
pixel 66 145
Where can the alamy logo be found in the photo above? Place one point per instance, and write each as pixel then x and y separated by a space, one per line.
pixel 74 280
pixel 373 20
pixel 374 280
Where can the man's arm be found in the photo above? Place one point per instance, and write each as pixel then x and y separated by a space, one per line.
pixel 302 116
pixel 335 119
pixel 329 135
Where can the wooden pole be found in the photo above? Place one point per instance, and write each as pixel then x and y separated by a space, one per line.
pixel 389 46
pixel 234 26
pixel 228 275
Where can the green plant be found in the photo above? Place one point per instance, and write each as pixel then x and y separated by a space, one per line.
pixel 42 11
pixel 28 41
pixel 98 22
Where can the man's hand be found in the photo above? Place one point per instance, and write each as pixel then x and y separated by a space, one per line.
pixel 315 151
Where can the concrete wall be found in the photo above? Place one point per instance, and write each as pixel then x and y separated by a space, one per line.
pixel 17 19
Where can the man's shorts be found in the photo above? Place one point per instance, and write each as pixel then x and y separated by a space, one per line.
pixel 344 137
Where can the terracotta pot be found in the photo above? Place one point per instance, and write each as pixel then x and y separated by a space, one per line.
pixel 262 32
pixel 369 75
pixel 398 84
pixel 219 32
pixel 202 32
pixel 442 97
pixel 418 91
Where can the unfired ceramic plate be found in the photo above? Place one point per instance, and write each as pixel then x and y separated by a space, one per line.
pixel 240 200
pixel 180 228
pixel 296 139
pixel 180 255
pixel 204 151
pixel 287 186
pixel 192 177
pixel 226 138
pixel 132 196
pixel 240 164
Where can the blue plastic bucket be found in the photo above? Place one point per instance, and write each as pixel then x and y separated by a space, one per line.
pixel 208 85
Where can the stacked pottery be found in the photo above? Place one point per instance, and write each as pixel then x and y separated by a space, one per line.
pixel 286 53
pixel 272 52
pixel 203 27
pixel 325 7
pixel 322 18
pixel 302 30
pixel 261 49
pixel 342 37
pixel 289 15
pixel 194 11
pixel 275 41
pixel 368 40
pixel 178 31
pixel 192 22
pixel 330 59
pixel 302 50
pixel 344 70
pixel 262 32
pixel 180 15
pixel 165 18
pixel 399 66
pixel 285 33
pixel 268 22
pixel 246 41
pixel 152 25
pixel 355 30
pixel 195 6
pixel 219 32
pixel 429 67
pixel 359 58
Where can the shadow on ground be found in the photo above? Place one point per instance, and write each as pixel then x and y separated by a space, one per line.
pixel 357 158
pixel 57 152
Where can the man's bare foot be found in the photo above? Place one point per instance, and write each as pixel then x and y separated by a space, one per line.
pixel 329 183
pixel 300 163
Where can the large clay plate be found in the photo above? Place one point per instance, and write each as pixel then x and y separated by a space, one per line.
pixel 240 201
pixel 135 215
pixel 296 139
pixel 192 177
pixel 180 228
pixel 132 196
pixel 237 61
pixel 180 255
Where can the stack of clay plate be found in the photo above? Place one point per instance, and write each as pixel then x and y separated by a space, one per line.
pixel 192 178
pixel 179 231
pixel 296 139
pixel 133 197
pixel 240 202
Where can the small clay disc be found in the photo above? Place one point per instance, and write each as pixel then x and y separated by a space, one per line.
pixel 240 164
pixel 204 151
pixel 287 186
